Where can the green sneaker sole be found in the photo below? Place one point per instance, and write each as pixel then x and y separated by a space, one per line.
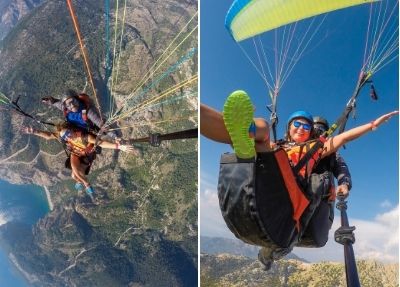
pixel 238 115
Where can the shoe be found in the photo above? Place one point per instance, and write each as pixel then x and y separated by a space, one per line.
pixel 264 256
pixel 89 190
pixel 79 186
pixel 238 117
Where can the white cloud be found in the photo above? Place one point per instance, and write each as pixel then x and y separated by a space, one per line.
pixel 3 218
pixel 207 182
pixel 377 239
pixel 211 220
pixel 386 204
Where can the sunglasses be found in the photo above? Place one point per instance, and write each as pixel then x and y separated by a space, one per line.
pixel 297 124
pixel 320 128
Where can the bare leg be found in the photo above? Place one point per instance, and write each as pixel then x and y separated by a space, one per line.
pixel 212 126
pixel 262 141
pixel 78 171
pixel 75 178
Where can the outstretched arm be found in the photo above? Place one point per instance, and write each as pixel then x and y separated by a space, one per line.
pixel 334 143
pixel 50 101
pixel 109 145
pixel 42 134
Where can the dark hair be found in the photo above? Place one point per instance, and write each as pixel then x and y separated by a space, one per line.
pixel 71 93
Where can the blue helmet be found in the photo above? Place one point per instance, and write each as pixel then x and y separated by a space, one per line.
pixel 300 115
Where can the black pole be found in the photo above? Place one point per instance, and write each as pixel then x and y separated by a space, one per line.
pixel 156 139
pixel 345 236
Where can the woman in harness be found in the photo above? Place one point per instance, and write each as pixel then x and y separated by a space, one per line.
pixel 238 193
pixel 80 145
pixel 79 112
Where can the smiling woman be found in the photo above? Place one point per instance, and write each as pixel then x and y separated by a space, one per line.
pixel 269 192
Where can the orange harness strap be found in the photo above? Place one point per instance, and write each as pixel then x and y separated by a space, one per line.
pixel 297 197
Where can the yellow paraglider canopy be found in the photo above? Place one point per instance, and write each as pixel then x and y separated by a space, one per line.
pixel 247 18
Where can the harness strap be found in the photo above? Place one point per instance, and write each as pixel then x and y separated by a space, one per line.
pixel 297 197
pixel 310 154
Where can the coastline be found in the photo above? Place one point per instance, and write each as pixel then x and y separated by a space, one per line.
pixel 30 278
pixel 50 203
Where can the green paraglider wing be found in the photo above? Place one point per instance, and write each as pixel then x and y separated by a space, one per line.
pixel 247 18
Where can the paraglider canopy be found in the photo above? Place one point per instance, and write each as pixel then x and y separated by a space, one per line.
pixel 247 18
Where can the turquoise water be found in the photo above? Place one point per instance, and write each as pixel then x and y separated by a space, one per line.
pixel 23 203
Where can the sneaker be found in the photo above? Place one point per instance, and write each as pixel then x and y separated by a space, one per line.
pixel 79 186
pixel 238 117
pixel 89 190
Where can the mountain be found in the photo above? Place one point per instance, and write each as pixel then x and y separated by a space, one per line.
pixel 219 245
pixel 11 11
pixel 142 231
pixel 231 270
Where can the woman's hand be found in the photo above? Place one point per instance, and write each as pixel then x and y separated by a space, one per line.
pixel 382 119
pixel 128 149
pixel 48 100
pixel 342 190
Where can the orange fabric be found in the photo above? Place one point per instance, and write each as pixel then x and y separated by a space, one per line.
pixel 78 144
pixel 297 197
pixel 296 153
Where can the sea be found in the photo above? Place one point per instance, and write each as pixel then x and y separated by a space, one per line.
pixel 23 203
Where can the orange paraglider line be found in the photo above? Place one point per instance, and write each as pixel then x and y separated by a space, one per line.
pixel 83 50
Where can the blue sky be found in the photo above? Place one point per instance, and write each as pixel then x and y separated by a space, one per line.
pixel 321 83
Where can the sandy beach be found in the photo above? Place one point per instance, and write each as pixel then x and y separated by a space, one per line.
pixel 51 206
